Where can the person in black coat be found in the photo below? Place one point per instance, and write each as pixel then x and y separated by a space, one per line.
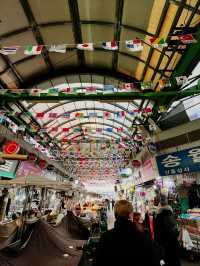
pixel 166 233
pixel 125 245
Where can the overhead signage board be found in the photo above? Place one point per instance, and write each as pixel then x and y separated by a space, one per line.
pixel 179 162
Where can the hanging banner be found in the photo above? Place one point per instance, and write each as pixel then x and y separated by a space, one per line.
pixel 180 162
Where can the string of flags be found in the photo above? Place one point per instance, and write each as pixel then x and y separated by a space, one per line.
pixel 134 45
pixel 105 114
pixel 128 87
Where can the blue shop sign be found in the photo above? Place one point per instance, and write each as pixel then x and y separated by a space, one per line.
pixel 179 162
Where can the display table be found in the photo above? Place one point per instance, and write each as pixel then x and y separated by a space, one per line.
pixel 191 222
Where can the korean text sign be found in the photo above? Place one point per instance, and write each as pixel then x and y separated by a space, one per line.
pixel 180 162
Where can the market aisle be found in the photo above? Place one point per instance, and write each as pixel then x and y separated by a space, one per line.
pixel 111 219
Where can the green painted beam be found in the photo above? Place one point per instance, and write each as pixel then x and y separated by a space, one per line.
pixel 123 96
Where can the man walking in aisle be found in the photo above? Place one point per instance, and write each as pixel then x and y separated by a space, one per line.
pixel 125 245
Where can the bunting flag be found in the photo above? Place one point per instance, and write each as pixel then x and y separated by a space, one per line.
pixel 110 45
pixel 33 49
pixel 119 129
pixel 92 115
pixel 148 110
pixel 128 86
pixel 187 39
pixel 53 91
pixel 60 48
pixel 66 115
pixel 65 129
pixel 90 90
pixel 164 82
pixel 108 88
pixel 68 90
pixel 85 46
pixel 99 130
pixel 107 115
pixel 162 109
pixel 53 115
pixel 79 115
pixel 158 42
pixel 35 92
pixel 43 130
pixel 181 80
pixel 109 129
pixel 40 115
pixel 54 129
pixel 120 114
pixel 146 85
pixel 9 50
pixel 77 129
pixel 134 45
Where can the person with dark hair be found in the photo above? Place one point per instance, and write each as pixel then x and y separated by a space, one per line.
pixel 125 244
pixel 166 233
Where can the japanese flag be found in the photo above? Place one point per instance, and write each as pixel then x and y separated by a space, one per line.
pixel 85 46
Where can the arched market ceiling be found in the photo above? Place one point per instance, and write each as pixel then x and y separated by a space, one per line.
pixel 46 22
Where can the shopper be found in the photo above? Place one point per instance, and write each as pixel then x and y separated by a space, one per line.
pixel 113 204
pixel 125 245
pixel 166 233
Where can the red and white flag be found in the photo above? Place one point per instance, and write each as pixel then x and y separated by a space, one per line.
pixel 128 86
pixel 85 46
pixel 187 38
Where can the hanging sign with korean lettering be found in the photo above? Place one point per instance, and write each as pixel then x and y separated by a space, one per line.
pixel 180 162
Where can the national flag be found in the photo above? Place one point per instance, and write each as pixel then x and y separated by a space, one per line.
pixel 158 42
pixel 40 114
pixel 181 80
pixel 35 92
pixel 54 129
pixel 9 50
pixel 108 88
pixel 53 115
pixel 162 109
pixel 134 45
pixel 65 139
pixel 148 110
pixel 120 114
pixel 68 90
pixel 119 129
pixel 109 129
pixel 110 45
pixel 66 114
pixel 85 46
pixel 164 82
pixel 22 128
pixel 128 86
pixel 187 38
pixel 53 91
pixel 107 115
pixel 33 49
pixel 92 115
pixel 77 129
pixel 65 129
pixel 146 85
pixel 98 129
pixel 43 130
pixel 90 90
pixel 79 115
pixel 59 48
